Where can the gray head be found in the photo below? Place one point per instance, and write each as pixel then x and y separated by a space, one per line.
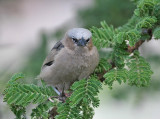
pixel 79 36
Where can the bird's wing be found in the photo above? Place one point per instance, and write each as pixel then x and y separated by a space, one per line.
pixel 50 58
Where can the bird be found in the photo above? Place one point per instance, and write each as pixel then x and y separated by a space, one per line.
pixel 71 59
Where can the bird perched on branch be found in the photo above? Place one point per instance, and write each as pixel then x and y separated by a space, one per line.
pixel 71 59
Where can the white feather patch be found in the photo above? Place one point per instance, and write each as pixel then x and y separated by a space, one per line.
pixel 78 33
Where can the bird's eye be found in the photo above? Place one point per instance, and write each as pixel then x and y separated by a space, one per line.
pixel 75 40
pixel 87 40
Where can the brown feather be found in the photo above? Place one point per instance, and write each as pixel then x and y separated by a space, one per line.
pixel 90 44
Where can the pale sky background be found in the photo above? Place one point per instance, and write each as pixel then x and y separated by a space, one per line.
pixel 20 24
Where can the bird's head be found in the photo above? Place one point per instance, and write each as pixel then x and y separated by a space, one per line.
pixel 79 38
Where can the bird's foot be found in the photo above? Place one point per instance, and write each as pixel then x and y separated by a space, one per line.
pixel 62 97
pixel 68 94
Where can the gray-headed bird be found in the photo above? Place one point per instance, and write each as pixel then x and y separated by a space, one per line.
pixel 71 59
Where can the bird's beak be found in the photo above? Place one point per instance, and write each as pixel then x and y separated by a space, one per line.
pixel 82 42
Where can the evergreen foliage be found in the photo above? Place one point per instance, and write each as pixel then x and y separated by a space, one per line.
pixel 19 95
pixel 41 111
pixel 115 75
pixel 103 36
pixel 103 65
pixel 139 71
pixel 119 55
pixel 67 112
pixel 86 91
pixel 156 33
pixel 126 66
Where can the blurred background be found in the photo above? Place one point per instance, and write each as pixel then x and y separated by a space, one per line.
pixel 30 28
